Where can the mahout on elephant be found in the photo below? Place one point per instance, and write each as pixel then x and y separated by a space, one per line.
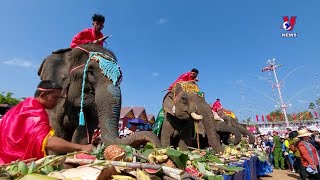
pixel 232 121
pixel 183 106
pixel 90 78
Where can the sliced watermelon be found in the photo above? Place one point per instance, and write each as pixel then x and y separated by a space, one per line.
pixel 84 156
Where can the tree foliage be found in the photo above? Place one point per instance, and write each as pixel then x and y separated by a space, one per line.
pixel 7 98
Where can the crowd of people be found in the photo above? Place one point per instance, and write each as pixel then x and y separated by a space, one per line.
pixel 297 151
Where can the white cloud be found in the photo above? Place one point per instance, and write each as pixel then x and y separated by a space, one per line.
pixel 162 21
pixel 19 62
pixel 155 74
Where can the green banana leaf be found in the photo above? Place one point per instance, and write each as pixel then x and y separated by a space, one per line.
pixel 179 158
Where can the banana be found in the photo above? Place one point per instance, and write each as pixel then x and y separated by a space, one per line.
pixel 122 177
pixel 151 158
pixel 142 176
pixel 161 158
pixel 162 151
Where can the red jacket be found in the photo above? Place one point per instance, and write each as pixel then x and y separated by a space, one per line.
pixel 216 106
pixel 183 77
pixel 86 36
pixel 306 150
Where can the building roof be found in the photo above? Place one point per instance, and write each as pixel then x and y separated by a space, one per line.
pixel 125 111
pixel 151 119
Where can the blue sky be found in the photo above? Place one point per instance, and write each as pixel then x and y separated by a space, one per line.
pixel 156 41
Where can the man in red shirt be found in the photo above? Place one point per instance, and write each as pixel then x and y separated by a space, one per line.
pixel 216 106
pixel 90 35
pixel 188 76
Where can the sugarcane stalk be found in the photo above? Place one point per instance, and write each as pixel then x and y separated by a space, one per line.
pixel 79 161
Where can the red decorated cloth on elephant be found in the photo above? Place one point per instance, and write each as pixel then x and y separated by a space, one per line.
pixel 24 131
pixel 184 77
pixel 86 36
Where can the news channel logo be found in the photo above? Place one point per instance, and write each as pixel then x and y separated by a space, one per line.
pixel 288 25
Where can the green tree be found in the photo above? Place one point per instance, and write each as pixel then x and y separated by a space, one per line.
pixel 7 98
pixel 312 105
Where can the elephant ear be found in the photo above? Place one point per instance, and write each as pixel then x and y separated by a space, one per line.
pixel 168 103
pixel 56 67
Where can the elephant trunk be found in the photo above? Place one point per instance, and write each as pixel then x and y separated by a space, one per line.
pixel 243 130
pixel 108 108
pixel 208 122
pixel 223 127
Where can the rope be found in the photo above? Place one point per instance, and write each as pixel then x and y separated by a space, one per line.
pixel 109 69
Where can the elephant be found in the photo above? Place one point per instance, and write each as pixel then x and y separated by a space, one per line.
pixel 99 94
pixel 184 105
pixel 233 122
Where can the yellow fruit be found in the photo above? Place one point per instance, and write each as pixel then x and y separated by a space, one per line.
pixel 161 158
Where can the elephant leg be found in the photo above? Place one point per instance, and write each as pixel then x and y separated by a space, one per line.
pixel 243 130
pixel 186 136
pixel 166 133
pixel 223 127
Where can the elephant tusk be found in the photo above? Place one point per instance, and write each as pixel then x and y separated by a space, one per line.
pixel 196 116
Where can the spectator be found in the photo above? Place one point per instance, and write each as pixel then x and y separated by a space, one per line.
pixel 277 151
pixel 309 156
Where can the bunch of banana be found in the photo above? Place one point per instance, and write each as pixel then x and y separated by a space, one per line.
pixel 142 176
pixel 122 177
pixel 158 156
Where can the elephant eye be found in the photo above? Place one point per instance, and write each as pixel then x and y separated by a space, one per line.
pixel 184 99
pixel 91 71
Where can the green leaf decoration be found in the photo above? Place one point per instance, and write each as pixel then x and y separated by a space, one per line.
pixel 233 168
pixel 212 158
pixel 179 158
pixel 128 151
pixel 32 167
pixel 149 145
pixel 23 168
pixel 201 167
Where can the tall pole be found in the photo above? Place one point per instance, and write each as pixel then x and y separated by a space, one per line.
pixel 272 67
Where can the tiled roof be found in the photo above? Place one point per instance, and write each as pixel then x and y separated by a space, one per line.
pixel 124 111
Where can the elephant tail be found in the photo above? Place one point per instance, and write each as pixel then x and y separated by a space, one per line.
pixel 136 139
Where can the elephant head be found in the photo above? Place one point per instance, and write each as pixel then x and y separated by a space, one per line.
pixel 90 78
pixel 182 106
pixel 232 121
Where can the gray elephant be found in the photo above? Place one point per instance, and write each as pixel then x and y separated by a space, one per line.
pixel 233 122
pixel 184 105
pixel 97 95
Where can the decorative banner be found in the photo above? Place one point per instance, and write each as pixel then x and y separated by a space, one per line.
pixel 268 117
pixel 262 118
pixel 315 114
pixel 274 117
pixel 294 116
pixel 281 116
pixel 257 118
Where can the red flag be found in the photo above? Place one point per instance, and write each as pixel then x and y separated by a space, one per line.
pixel 257 118
pixel 315 114
pixel 262 118
pixel 268 68
pixel 274 117
pixel 268 117
pixel 281 116
pixel 308 115
pixel 294 116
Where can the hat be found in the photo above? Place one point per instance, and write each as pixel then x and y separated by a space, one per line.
pixel 304 132
pixel 270 138
pixel 282 137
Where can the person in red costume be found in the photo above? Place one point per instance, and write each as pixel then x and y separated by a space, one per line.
pixel 90 35
pixel 25 131
pixel 188 76
pixel 216 106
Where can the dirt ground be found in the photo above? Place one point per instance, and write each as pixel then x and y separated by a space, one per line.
pixel 281 175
